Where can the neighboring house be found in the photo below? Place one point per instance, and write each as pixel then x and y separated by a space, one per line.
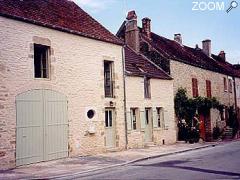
pixel 61 83
pixel 149 102
pixel 197 70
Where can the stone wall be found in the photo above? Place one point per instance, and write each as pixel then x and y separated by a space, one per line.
pixel 77 71
pixel 183 74
pixel 161 96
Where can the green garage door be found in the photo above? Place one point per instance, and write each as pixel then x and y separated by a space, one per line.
pixel 42 126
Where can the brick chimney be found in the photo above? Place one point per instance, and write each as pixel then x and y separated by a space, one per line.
pixel 146 27
pixel 178 38
pixel 222 55
pixel 132 32
pixel 206 47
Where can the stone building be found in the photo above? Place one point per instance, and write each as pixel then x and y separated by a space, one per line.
pixel 149 102
pixel 196 69
pixel 61 83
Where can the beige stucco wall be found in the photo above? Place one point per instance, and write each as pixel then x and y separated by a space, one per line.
pixel 183 74
pixel 161 96
pixel 76 71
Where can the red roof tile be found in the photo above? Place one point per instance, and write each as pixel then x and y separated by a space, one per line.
pixel 170 49
pixel 138 65
pixel 192 56
pixel 62 15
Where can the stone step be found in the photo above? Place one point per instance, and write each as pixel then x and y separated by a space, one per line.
pixel 112 150
pixel 149 144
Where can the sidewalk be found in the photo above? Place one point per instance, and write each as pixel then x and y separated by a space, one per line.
pixel 79 165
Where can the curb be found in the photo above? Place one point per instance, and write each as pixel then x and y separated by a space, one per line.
pixel 128 162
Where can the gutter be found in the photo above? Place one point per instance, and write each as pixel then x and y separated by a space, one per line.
pixel 124 92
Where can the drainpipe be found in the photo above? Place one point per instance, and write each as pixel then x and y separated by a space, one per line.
pixel 124 94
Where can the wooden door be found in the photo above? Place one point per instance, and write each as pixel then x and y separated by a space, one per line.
pixel 148 125
pixel 42 126
pixel 110 128
pixel 202 127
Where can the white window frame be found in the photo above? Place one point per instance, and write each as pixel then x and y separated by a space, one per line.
pixel 111 81
pixel 134 118
pixel 160 117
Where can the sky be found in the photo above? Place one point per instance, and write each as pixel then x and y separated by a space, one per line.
pixel 195 21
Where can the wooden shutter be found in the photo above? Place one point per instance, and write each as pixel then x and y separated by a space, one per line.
pixel 155 119
pixel 129 121
pixel 208 88
pixel 230 85
pixel 143 120
pixel 165 118
pixel 225 83
pixel 195 87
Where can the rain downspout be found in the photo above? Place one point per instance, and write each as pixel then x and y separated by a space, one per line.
pixel 124 94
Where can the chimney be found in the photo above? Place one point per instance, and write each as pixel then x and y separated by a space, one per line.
pixel 132 32
pixel 146 27
pixel 206 47
pixel 178 38
pixel 236 66
pixel 222 55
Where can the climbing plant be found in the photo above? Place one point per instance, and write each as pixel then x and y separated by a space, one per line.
pixel 186 108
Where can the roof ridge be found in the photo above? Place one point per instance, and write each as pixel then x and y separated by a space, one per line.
pixel 66 16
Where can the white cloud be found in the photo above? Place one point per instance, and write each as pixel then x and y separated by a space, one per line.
pixel 95 5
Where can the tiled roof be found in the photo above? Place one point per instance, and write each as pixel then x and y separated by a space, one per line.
pixel 138 65
pixel 171 49
pixel 62 15
pixel 193 56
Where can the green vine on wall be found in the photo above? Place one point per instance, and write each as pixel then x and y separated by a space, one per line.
pixel 186 108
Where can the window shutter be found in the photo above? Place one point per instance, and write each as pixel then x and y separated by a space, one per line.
pixel 129 121
pixel 230 85
pixel 162 118
pixel 165 121
pixel 225 84
pixel 143 120
pixel 208 88
pixel 194 87
pixel 155 119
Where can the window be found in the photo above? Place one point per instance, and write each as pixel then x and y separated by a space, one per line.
pixel 134 118
pixel 108 118
pixel 195 87
pixel 90 113
pixel 108 79
pixel 230 85
pixel 159 116
pixel 225 83
pixel 41 61
pixel 208 88
pixel 147 115
pixel 147 90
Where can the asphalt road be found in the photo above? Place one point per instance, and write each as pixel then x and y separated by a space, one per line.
pixel 220 162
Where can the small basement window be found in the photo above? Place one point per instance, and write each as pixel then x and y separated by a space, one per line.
pixel 41 61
